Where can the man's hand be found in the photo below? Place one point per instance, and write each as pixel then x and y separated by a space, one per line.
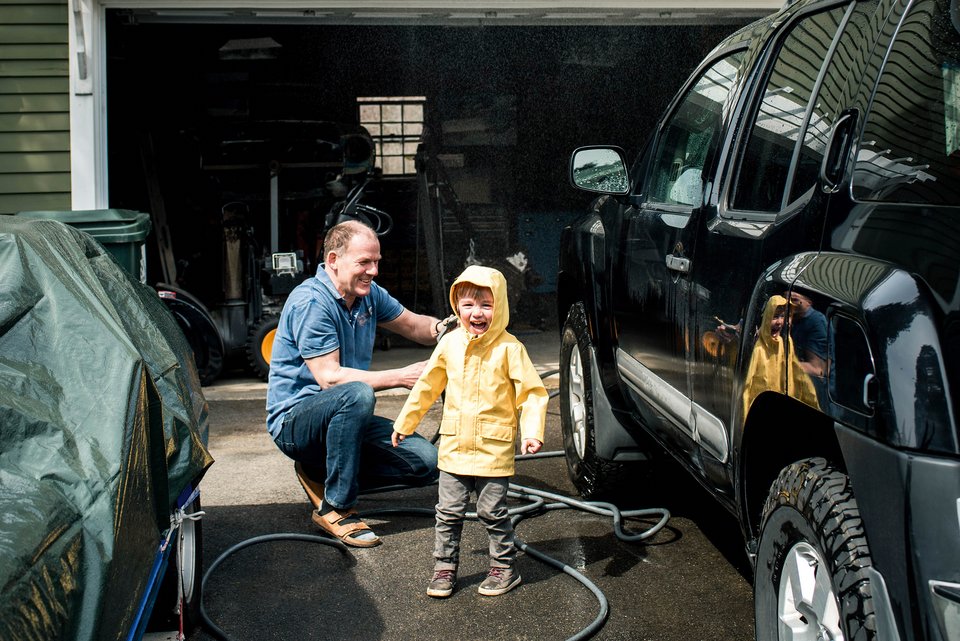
pixel 530 446
pixel 408 375
pixel 445 325
pixel 327 371
pixel 397 437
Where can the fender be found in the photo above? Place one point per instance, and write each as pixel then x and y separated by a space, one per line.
pixel 759 453
pixel 583 277
pixel 905 390
pixel 772 282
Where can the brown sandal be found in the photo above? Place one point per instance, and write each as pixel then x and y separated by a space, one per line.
pixel 331 522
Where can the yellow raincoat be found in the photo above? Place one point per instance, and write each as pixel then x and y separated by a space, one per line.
pixel 770 364
pixel 492 388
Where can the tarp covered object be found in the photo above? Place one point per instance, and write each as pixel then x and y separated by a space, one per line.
pixel 102 424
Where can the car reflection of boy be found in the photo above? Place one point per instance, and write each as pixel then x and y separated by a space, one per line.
pixel 808 332
pixel 772 358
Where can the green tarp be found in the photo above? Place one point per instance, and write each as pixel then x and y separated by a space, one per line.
pixel 102 425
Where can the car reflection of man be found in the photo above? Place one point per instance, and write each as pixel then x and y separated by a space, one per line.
pixel 771 358
pixel 808 332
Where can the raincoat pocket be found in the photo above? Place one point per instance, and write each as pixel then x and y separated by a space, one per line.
pixel 497 431
pixel 448 426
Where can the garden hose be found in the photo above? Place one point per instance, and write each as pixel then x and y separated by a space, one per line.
pixel 537 505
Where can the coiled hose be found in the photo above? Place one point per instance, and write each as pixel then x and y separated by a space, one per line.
pixel 538 504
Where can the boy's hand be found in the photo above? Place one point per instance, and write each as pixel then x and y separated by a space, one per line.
pixel 397 437
pixel 529 446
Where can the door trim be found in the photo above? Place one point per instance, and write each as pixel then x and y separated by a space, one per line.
pixel 705 428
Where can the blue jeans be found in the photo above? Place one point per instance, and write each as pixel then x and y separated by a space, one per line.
pixel 336 437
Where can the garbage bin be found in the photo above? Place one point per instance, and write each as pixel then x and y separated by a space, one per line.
pixel 120 231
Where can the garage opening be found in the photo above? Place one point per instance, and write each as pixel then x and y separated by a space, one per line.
pixel 234 131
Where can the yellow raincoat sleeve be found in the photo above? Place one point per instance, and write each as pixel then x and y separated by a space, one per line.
pixel 530 393
pixel 425 392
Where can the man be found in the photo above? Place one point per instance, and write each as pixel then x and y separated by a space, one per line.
pixel 320 395
pixel 808 331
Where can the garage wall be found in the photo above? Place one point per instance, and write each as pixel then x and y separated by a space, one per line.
pixel 34 106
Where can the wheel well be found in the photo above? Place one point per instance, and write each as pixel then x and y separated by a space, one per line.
pixel 779 431
pixel 565 298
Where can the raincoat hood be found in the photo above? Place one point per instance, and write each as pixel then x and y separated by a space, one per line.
pixel 766 334
pixel 494 281
pixel 493 391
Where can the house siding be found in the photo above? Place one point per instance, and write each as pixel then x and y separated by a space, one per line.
pixel 34 106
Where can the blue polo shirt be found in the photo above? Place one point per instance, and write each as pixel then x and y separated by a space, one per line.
pixel 315 321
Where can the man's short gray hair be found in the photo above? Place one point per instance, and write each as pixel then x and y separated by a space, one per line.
pixel 340 235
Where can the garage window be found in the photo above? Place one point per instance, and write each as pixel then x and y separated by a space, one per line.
pixel 396 125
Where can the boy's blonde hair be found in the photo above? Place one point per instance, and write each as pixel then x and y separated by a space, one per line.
pixel 462 290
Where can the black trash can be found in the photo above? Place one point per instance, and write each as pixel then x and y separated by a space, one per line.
pixel 121 232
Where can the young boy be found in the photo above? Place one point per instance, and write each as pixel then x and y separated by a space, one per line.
pixel 492 389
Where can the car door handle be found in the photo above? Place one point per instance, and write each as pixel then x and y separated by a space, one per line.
pixel 678 264
pixel 869 390
pixel 834 161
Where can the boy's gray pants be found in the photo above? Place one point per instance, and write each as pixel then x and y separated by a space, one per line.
pixel 454 494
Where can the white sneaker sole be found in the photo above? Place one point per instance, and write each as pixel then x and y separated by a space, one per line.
pixel 498 591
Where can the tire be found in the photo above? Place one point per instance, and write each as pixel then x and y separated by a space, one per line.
pixel 185 568
pixel 260 345
pixel 592 475
pixel 812 540
pixel 200 331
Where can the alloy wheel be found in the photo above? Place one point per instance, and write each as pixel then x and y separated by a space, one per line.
pixel 575 392
pixel 808 608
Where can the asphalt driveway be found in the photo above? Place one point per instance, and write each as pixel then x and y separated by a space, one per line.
pixel 686 582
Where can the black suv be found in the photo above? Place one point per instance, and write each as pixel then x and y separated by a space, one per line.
pixel 771 294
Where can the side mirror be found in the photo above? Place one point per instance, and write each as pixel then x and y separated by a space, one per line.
pixel 601 170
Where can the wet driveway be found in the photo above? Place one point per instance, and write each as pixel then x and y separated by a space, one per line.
pixel 687 582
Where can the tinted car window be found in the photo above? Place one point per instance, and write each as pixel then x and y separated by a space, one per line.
pixel 691 135
pixel 848 384
pixel 779 120
pixel 910 149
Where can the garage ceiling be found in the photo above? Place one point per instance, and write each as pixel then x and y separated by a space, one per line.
pixel 460 13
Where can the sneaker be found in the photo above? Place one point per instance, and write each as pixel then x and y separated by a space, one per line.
pixel 442 584
pixel 499 581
